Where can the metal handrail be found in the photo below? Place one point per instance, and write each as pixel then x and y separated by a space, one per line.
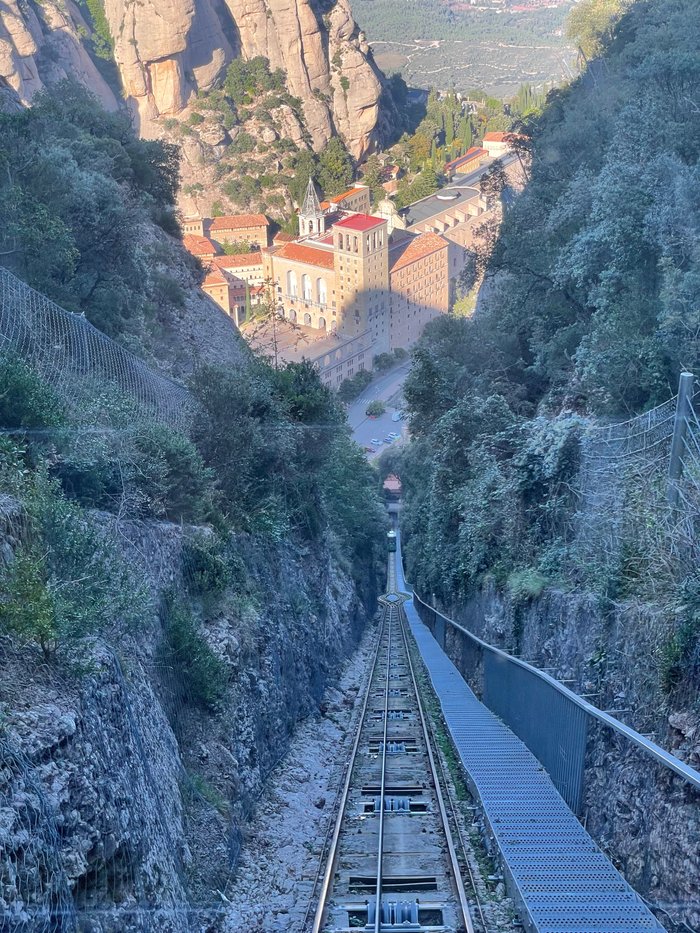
pixel 660 755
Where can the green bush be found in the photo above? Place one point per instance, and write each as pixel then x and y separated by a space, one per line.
pixel 205 568
pixel 202 677
pixel 169 475
pixel 525 585
pixel 26 402
pixel 26 607
pixel 350 388
pixel 69 580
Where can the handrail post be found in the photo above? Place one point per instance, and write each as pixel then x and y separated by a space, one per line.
pixel 680 426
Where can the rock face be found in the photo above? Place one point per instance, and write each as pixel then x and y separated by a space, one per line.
pixel 167 50
pixel 121 802
pixel 41 44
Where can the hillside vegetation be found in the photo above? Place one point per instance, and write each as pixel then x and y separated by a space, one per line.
pixel 590 305
pixel 269 446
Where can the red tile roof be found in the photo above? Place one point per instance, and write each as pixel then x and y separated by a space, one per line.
pixel 299 252
pixel 214 277
pixel 346 194
pixel 410 251
pixel 496 137
pixel 474 153
pixel 239 260
pixel 199 245
pixel 360 222
pixel 392 483
pixel 282 237
pixel 238 222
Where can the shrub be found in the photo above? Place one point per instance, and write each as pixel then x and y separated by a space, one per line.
pixel 525 585
pixel 201 676
pixel 26 607
pixel 195 119
pixel 25 401
pixel 244 142
pixel 350 388
pixel 205 568
pixel 169 474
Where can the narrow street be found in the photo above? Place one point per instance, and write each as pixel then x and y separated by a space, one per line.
pixel 364 429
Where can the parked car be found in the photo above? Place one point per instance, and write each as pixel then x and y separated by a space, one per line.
pixel 389 440
pixel 370 450
pixel 375 442
pixel 397 416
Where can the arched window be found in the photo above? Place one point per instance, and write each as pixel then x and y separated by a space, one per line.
pixel 292 283
pixel 291 314
pixel 334 327
pixel 322 323
pixel 306 287
pixel 321 291
pixel 307 319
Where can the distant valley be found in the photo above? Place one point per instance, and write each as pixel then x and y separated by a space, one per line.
pixel 494 47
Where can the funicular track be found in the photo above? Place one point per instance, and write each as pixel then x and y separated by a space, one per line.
pixel 392 862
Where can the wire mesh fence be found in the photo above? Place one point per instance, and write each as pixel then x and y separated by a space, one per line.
pixel 640 479
pixel 79 361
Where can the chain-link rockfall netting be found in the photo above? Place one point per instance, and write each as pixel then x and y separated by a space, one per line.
pixel 79 361
pixel 630 504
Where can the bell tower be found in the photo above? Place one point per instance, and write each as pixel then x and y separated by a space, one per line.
pixel 312 220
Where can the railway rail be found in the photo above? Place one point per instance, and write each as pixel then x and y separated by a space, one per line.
pixel 392 862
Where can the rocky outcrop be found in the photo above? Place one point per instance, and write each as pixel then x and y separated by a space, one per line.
pixel 168 50
pixel 42 43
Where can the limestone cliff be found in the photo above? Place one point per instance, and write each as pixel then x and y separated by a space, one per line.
pixel 166 51
pixel 122 802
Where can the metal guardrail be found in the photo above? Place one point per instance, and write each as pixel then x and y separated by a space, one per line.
pixel 561 746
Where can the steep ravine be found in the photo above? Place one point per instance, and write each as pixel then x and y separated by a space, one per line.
pixel 121 802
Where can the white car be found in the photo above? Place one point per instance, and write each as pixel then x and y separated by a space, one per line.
pixel 397 416
pixel 375 442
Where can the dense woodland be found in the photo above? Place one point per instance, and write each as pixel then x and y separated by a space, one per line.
pixel 590 306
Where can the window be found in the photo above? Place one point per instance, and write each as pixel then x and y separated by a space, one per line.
pixel 292 283
pixel 321 291
pixel 306 287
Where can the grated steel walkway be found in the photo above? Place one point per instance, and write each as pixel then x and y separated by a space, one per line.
pixel 560 878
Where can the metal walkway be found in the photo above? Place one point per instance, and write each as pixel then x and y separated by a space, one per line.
pixel 557 875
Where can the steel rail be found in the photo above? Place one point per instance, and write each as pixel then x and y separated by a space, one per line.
pixel 660 755
pixel 452 852
pixel 356 723
pixel 333 850
pixel 382 784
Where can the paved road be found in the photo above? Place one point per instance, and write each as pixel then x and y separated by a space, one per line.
pixel 364 429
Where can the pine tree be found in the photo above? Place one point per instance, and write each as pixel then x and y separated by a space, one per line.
pixel 449 128
pixel 467 135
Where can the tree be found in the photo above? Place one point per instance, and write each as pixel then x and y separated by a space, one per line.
pixel 591 24
pixel 375 409
pixel 335 171
pixel 268 326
